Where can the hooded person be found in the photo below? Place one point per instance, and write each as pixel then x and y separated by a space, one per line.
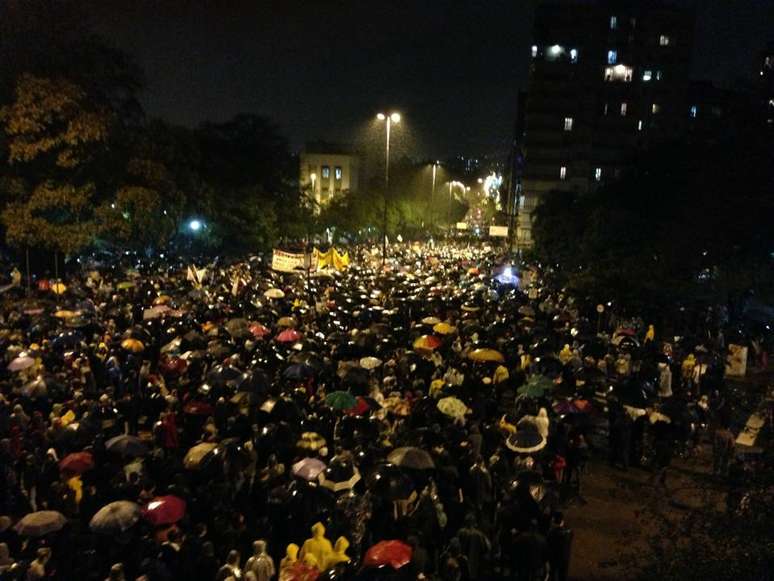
pixel 339 554
pixel 260 564
pixel 317 546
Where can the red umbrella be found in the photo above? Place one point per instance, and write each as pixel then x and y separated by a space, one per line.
pixel 289 336
pixel 77 463
pixel 198 408
pixel 396 554
pixel 259 331
pixel 164 510
pixel 173 366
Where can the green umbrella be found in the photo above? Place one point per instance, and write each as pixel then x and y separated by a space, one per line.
pixel 537 386
pixel 340 400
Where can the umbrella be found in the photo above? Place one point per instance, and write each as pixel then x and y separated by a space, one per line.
pixel 77 463
pixel 311 441
pixel 259 331
pixel 527 311
pixel 238 328
pixel 396 554
pixel 115 517
pixel 486 355
pixel 340 400
pixel 58 288
pixel 274 293
pixel 387 481
pixel 431 321
pixel 309 468
pixel 289 336
pixel 288 322
pixel 370 362
pixel 525 441
pixel 65 314
pixel 164 510
pixel 195 456
pixel 20 363
pixel 127 446
pixel 40 523
pixel 298 372
pixel 411 457
pixel 537 386
pixel 36 388
pixel 339 475
pixel 452 407
pixel 427 343
pixel 132 345
pixel 444 329
pixel 125 285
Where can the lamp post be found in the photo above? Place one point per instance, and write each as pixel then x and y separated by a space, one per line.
pixel 313 179
pixel 432 193
pixel 389 119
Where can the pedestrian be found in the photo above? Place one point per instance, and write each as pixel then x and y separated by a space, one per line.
pixel 230 569
pixel 559 547
pixel 723 444
pixel 261 564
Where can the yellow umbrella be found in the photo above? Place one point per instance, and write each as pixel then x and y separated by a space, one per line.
pixel 444 329
pixel 133 345
pixel 289 322
pixel 486 355
pixel 58 288
pixel 427 343
pixel 452 407
pixel 65 314
pixel 431 321
pixel 127 284
pixel 162 300
pixel 195 455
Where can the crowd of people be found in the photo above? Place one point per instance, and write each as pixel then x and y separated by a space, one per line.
pixel 428 420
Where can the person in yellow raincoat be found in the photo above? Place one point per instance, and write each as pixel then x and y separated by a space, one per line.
pixel 339 554
pixel 317 546
pixel 650 334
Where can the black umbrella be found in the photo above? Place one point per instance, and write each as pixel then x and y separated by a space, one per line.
pixel 410 457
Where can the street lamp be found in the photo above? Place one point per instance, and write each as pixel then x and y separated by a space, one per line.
pixel 432 192
pixel 313 179
pixel 453 184
pixel 389 120
pixel 195 225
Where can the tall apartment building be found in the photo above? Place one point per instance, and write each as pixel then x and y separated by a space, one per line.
pixel 606 79
pixel 327 170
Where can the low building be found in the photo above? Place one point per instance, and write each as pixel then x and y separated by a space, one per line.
pixel 327 170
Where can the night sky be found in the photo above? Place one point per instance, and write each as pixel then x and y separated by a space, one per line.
pixel 322 69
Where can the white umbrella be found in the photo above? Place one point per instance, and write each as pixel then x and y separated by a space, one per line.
pixel 370 362
pixel 20 363
pixel 274 293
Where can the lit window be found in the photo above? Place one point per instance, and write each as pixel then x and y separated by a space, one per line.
pixel 612 57
pixel 655 108
pixel 555 52
pixel 563 173
pixel 694 110
pixel 647 75
pixel 534 51
pixel 613 22
pixel 624 106
pixel 337 173
pixel 326 172
pixel 568 123
pixel 573 55
pixel 658 75
pixel 598 174
pixel 639 125
pixel 663 40
pixel 619 73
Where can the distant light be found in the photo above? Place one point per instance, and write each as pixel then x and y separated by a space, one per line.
pixel 395 117
pixel 555 50
pixel 480 180
pixel 195 225
pixel 508 272
pixel 380 116
pixel 113 205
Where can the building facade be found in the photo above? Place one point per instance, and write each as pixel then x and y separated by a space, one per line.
pixel 606 79
pixel 328 170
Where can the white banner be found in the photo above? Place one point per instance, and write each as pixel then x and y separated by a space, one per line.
pixel 291 262
pixel 462 225
pixel 498 231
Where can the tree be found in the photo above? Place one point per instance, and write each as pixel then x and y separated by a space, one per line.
pixel 52 133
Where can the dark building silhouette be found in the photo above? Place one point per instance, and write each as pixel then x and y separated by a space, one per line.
pixel 606 79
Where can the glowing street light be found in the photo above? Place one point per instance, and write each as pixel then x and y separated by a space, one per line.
pixel 195 225
pixel 389 120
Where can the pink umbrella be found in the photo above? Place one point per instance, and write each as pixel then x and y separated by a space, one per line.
pixel 259 331
pixel 289 336
pixel 396 554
